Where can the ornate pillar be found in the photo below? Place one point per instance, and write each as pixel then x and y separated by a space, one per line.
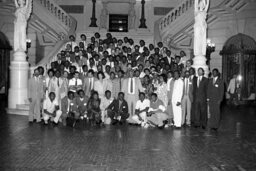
pixel 200 33
pixel 142 19
pixel 19 66
pixel 93 18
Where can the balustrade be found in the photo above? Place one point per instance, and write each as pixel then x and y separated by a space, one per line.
pixel 57 11
pixel 175 13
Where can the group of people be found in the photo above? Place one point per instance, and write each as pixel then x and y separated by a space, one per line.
pixel 113 81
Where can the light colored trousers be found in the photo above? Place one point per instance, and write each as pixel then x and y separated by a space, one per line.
pixel 158 118
pixel 131 101
pixel 55 119
pixel 176 114
pixel 143 116
pixel 186 110
pixel 34 110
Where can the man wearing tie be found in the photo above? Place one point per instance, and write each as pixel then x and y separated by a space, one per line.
pixel 214 97
pixel 131 87
pixel 35 96
pixel 187 100
pixel 75 83
pixel 83 40
pixel 200 100
pixel 89 83
pixel 55 85
pixel 193 80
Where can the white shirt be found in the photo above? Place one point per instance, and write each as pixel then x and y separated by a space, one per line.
pixel 72 82
pixel 142 105
pixel 49 105
pixel 169 84
pixel 232 86
pixel 141 50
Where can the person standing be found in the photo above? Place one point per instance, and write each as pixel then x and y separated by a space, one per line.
pixel 193 80
pixel 35 96
pixel 176 99
pixel 131 87
pixel 215 95
pixel 187 99
pixel 200 100
pixel 89 83
pixel 170 83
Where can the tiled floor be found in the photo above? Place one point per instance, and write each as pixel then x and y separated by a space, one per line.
pixel 38 147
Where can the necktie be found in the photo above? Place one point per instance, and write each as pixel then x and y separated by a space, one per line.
pixel 131 87
pixel 198 81
pixel 58 82
pixel 213 81
pixel 76 83
pixel 120 83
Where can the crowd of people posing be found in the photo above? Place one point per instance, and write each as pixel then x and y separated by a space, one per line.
pixel 113 81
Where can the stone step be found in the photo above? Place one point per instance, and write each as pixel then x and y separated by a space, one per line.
pixel 17 111
pixel 22 106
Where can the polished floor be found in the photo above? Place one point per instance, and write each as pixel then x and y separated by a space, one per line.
pixel 117 148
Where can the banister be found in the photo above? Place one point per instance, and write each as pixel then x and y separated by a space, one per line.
pixel 179 10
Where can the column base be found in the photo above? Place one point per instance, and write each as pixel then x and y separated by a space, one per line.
pixel 18 91
pixel 199 61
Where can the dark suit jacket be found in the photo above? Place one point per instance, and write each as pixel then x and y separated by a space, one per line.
pixel 215 91
pixel 114 106
pixel 167 61
pixel 194 83
pixel 82 104
pixel 57 64
pixel 201 91
pixel 64 105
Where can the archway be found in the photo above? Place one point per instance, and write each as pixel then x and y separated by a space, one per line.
pixel 239 57
pixel 5 49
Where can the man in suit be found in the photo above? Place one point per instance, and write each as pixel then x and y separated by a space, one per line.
pixel 215 95
pixel 82 101
pixel 118 109
pixel 187 99
pixel 176 99
pixel 75 83
pixel 200 100
pixel 58 63
pixel 193 79
pixel 35 96
pixel 69 106
pixel 168 59
pixel 131 87
pixel 55 85
pixel 89 83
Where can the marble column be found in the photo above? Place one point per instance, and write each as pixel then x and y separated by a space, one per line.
pixel 18 80
pixel 93 18
pixel 142 19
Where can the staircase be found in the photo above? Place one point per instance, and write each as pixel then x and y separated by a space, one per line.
pixel 176 28
pixel 51 23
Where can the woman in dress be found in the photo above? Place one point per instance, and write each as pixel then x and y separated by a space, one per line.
pixel 101 85
pixel 161 89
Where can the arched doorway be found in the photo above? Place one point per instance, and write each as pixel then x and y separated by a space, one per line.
pixel 5 49
pixel 239 57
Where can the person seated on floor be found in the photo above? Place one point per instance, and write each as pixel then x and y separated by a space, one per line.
pixel 69 108
pixel 105 102
pixel 141 109
pixel 156 115
pixel 51 109
pixel 94 112
pixel 82 102
pixel 118 110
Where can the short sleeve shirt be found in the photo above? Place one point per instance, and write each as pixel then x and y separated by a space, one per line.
pixel 142 105
pixel 50 105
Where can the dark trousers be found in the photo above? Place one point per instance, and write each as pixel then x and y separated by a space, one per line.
pixel 113 114
pixel 200 113
pixel 214 119
pixel 192 113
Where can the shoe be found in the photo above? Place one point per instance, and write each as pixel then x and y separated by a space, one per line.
pixel 166 126
pixel 146 125
pixel 114 122
pixel 120 123
pixel 203 127
pixel 214 129
pixel 54 123
pixel 161 127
